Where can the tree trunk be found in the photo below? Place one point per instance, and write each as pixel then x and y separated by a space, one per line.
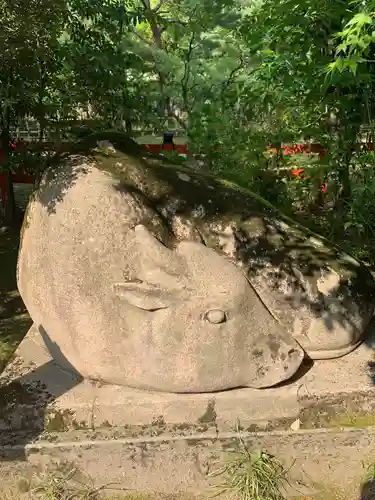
pixel 346 148
pixel 128 126
pixel 344 178
pixel 10 204
pixel 38 169
pixel 157 34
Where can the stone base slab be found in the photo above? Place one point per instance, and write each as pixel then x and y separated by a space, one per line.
pixel 35 382
pixel 169 442
pixel 150 441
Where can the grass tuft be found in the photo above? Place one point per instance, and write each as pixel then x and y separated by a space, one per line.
pixel 67 484
pixel 252 476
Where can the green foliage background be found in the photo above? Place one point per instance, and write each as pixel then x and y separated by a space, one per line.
pixel 233 76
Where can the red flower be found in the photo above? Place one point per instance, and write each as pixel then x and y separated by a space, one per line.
pixel 297 172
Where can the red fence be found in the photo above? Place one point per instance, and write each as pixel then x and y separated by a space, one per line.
pixel 156 148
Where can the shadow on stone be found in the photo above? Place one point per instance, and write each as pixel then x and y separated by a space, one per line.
pixel 369 340
pixel 67 180
pixel 270 245
pixel 284 262
pixel 25 401
pixel 301 372
pixel 368 491
pixel 282 256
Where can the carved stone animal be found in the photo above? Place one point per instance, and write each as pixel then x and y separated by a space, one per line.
pixel 148 275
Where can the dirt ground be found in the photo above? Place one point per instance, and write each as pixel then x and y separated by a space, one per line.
pixel 14 319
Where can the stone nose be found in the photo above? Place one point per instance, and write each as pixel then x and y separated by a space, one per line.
pixel 215 316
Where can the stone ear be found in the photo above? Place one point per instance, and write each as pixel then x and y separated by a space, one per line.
pixel 154 256
pixel 159 274
pixel 143 295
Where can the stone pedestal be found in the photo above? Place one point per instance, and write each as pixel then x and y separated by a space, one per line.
pixel 169 442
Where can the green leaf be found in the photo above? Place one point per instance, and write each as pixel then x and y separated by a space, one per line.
pixel 360 19
pixel 351 64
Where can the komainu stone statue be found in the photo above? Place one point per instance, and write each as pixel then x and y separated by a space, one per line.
pixel 149 275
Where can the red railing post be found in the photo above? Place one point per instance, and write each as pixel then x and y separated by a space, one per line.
pixel 3 190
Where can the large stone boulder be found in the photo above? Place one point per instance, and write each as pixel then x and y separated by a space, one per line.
pixel 145 274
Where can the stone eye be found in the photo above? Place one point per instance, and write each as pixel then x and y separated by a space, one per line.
pixel 215 316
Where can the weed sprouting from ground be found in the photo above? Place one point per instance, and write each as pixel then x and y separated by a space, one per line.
pixel 67 484
pixel 252 476
pixel 64 485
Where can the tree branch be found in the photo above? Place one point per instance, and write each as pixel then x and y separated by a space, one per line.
pixel 175 21
pixel 186 75
pixel 178 119
pixel 232 75
pixel 148 42
pixel 158 6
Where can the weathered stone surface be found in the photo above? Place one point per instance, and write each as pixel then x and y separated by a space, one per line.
pixel 37 394
pixel 149 275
